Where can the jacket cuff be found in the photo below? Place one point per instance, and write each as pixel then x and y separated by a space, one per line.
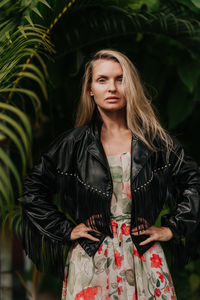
pixel 166 222
pixel 69 227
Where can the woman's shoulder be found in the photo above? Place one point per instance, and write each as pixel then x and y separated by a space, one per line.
pixel 169 143
pixel 71 134
pixel 67 138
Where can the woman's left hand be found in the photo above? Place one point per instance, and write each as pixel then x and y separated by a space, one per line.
pixel 155 234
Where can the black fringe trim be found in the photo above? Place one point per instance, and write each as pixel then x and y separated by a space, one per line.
pixel 48 255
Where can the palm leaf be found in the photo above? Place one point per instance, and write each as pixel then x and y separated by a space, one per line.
pixel 103 23
pixel 21 116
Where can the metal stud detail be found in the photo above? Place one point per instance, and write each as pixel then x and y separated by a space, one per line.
pixel 152 174
pixel 83 183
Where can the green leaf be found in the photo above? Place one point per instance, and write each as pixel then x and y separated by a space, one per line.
pixel 19 129
pixel 128 240
pixel 8 162
pixel 45 3
pixel 3 2
pixel 164 297
pixel 129 274
pixel 189 72
pixel 194 282
pixel 108 263
pixel 196 3
pixel 29 93
pixel 4 192
pixel 17 142
pixel 5 178
pixel 35 9
pixel 28 18
pixel 167 276
pixel 21 115
pixel 38 80
pixel 158 283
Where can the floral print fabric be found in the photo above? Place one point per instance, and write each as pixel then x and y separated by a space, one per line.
pixel 117 271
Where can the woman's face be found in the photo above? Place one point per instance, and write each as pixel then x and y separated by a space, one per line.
pixel 106 86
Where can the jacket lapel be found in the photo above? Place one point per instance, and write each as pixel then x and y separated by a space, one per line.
pixel 139 156
pixel 139 151
pixel 97 151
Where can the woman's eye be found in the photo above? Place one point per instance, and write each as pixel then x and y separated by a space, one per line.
pixel 119 79
pixel 102 80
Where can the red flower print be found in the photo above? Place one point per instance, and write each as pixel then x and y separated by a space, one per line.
pixel 136 253
pixel 100 248
pixel 160 276
pixel 119 279
pixel 64 293
pixel 128 190
pixel 120 237
pixel 64 285
pixel 125 229
pixel 135 295
pixel 107 287
pixel 173 291
pixel 119 290
pixel 157 292
pixel 122 185
pixel 151 249
pixel 156 261
pixel 114 227
pixel 106 253
pixel 118 259
pixel 89 293
pixel 167 290
pixel 75 246
pixel 170 277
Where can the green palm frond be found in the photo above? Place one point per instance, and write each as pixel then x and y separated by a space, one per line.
pixel 88 27
pixel 19 13
pixel 25 45
pixel 22 66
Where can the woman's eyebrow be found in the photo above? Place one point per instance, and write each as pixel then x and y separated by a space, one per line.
pixel 104 76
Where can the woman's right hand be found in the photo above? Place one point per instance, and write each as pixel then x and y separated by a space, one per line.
pixel 81 231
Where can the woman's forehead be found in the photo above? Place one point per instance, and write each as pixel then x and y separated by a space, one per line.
pixel 105 66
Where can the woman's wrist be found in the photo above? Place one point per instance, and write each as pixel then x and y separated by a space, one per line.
pixel 168 233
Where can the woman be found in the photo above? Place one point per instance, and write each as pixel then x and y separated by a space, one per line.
pixel 113 172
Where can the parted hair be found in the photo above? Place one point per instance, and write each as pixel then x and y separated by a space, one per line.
pixel 140 116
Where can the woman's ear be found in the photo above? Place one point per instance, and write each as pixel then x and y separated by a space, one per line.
pixel 91 93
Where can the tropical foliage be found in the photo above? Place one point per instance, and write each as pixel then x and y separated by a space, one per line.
pixel 43 48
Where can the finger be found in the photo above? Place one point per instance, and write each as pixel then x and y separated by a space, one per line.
pixel 150 239
pixel 90 237
pixel 92 229
pixel 138 229
pixel 141 232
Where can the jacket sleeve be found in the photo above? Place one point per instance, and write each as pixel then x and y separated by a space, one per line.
pixel 185 183
pixel 45 230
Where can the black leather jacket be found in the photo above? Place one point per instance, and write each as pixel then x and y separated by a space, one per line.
pixel 76 168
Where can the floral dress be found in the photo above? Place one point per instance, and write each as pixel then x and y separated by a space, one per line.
pixel 117 271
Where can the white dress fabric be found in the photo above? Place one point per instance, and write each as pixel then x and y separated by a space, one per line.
pixel 117 271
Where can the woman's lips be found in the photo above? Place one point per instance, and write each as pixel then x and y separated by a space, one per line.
pixel 112 98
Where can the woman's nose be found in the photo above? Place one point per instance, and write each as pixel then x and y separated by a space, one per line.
pixel 111 86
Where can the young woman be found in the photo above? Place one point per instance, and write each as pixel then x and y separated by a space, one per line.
pixel 113 172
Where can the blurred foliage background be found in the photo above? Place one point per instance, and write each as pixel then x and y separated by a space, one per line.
pixel 44 46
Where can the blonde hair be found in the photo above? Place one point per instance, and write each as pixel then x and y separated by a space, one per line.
pixel 140 116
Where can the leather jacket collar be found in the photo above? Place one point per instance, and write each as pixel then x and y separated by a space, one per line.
pixel 140 150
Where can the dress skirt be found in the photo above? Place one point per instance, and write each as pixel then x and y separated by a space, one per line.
pixel 117 271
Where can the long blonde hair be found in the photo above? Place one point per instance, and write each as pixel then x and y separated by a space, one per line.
pixel 140 116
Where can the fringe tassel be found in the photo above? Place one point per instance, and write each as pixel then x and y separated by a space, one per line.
pixel 48 255
pixel 94 206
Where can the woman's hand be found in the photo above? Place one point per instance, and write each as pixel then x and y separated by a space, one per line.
pixel 81 230
pixel 155 234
